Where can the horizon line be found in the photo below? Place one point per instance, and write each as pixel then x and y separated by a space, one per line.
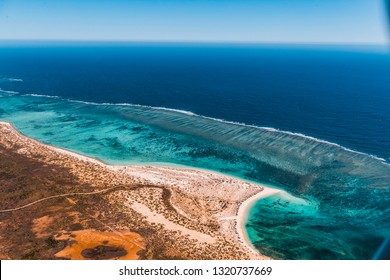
pixel 100 41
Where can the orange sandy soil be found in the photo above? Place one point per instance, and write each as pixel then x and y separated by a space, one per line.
pixel 55 204
pixel 127 242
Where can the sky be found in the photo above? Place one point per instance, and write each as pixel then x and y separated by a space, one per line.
pixel 264 21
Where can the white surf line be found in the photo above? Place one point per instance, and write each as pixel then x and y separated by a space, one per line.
pixel 269 129
pixel 14 80
pixel 55 196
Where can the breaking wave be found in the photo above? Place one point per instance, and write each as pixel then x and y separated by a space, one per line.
pixel 8 91
pixel 234 131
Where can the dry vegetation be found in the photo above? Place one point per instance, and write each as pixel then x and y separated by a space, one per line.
pixel 146 213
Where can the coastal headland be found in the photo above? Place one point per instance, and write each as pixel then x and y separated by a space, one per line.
pixel 57 204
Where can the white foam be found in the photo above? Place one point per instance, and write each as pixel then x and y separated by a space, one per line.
pixel 42 95
pixel 8 91
pixel 14 80
pixel 135 105
pixel 271 129
pixel 175 110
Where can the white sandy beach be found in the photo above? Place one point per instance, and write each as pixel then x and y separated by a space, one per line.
pixel 242 214
pixel 225 200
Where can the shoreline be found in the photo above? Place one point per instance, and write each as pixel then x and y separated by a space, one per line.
pixel 171 175
pixel 243 213
pixel 95 160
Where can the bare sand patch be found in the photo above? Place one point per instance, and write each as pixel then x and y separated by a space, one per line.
pixel 41 225
pixel 157 218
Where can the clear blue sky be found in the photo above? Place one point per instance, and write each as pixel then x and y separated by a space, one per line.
pixel 297 21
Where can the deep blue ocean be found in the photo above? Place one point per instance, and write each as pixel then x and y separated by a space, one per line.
pixel 311 120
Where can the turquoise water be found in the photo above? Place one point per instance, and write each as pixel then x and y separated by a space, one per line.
pixel 276 220
pixel 338 207
pixel 337 200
